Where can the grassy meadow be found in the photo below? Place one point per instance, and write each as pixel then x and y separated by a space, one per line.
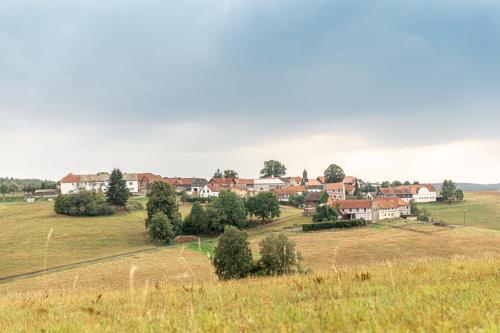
pixel 481 210
pixel 458 295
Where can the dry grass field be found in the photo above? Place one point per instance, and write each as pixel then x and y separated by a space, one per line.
pixel 459 295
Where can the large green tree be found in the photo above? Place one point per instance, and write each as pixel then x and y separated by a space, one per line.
pixel 229 209
pixel 196 222
pixel 334 174
pixel 160 229
pixel 448 191
pixel 230 174
pixel 264 205
pixel 232 256
pixel 273 168
pixel 163 199
pixel 117 193
pixel 218 174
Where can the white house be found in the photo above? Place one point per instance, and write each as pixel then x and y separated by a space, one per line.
pixel 418 193
pixel 267 184
pixel 99 182
pixel 357 209
pixel 210 191
pixel 335 190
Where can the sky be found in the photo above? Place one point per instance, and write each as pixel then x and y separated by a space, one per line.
pixel 388 90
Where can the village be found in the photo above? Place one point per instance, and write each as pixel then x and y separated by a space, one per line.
pixel 354 198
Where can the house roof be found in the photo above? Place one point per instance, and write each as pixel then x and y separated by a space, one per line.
pixel 313 182
pixel 396 190
pixel 354 204
pixel 349 179
pixel 70 178
pixel 313 196
pixel 269 181
pixel 244 181
pixel 387 203
pixel 289 190
pixel 214 187
pixel 321 179
pixel 333 186
pixel 297 179
pixel 224 182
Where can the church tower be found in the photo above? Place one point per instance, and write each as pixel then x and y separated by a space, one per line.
pixel 304 177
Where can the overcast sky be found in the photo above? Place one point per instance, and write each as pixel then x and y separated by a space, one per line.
pixel 386 89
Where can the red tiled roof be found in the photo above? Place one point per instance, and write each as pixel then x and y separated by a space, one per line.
pixel 354 204
pixel 244 181
pixel 349 179
pixel 214 187
pixel 321 179
pixel 313 182
pixel 333 186
pixel 70 178
pixel 289 190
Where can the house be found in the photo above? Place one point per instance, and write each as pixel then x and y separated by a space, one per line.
pixel 285 193
pixel 72 183
pixel 418 193
pixel 267 184
pixel 403 206
pixel 321 179
pixel 350 184
pixel 146 180
pixel 335 190
pixel 210 191
pixel 388 208
pixel 292 181
pixel 45 193
pixel 357 209
pixel 313 185
pixel 244 183
pixel 223 183
pixel 312 199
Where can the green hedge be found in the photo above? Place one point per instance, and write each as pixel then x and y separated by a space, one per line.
pixel 83 203
pixel 333 225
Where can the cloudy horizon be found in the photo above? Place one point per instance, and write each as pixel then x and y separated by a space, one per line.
pixel 387 90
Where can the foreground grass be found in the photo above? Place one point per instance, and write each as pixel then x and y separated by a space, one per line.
pixel 481 210
pixel 428 296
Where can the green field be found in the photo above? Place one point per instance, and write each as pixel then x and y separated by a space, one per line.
pixel 480 210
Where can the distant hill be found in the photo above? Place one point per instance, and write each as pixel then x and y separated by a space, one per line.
pixel 471 187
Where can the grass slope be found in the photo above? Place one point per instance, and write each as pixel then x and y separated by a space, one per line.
pixel 481 210
pixel 429 296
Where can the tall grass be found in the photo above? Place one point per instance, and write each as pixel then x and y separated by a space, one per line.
pixel 458 295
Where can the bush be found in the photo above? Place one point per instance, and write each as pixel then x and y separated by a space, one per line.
pixel 333 225
pixel 134 205
pixel 325 213
pixel 83 203
pixel 163 199
pixel 278 255
pixel 160 229
pixel 232 256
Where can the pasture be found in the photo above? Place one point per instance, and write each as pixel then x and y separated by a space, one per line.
pixel 478 209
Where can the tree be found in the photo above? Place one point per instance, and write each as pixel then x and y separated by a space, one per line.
pixel 160 228
pixel 4 188
pixel 13 188
pixel 385 184
pixel 323 198
pixel 297 200
pixel 264 205
pixel 273 168
pixel 229 209
pixel 196 221
pixel 278 255
pixel 357 191
pixel 163 199
pixel 325 213
pixel 30 189
pixel 117 193
pixel 414 208
pixel 230 174
pixel 83 203
pixel 217 174
pixel 396 183
pixel 370 188
pixel 406 183
pixel 459 195
pixel 334 174
pixel 448 191
pixel 232 256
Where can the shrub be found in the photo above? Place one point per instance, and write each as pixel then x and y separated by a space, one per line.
pixel 325 213
pixel 134 205
pixel 278 255
pixel 160 229
pixel 233 257
pixel 333 225
pixel 83 203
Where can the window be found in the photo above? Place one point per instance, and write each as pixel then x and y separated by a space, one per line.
pixel 130 183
